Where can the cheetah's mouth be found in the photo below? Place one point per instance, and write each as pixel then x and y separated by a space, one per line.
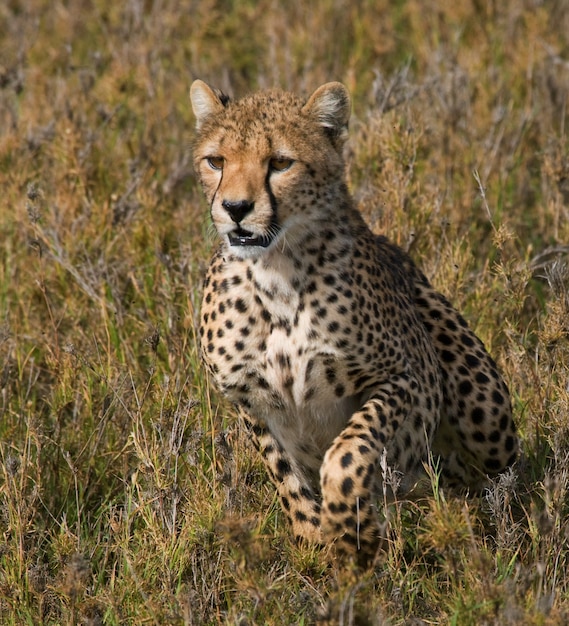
pixel 242 237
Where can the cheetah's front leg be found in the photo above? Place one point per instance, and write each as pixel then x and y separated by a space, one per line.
pixel 350 466
pixel 297 497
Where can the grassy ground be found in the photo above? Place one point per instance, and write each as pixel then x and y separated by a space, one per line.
pixel 128 492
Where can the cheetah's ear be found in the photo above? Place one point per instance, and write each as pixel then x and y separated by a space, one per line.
pixel 206 101
pixel 331 106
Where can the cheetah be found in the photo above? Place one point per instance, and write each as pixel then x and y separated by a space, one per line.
pixel 330 341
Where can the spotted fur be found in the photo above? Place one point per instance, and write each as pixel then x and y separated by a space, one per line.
pixel 329 339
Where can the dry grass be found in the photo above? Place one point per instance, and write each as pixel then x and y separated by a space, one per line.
pixel 128 493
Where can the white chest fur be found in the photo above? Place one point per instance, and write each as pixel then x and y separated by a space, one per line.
pixel 274 364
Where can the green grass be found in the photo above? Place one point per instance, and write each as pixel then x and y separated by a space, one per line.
pixel 129 493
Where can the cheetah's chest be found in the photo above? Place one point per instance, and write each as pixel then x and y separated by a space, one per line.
pixel 276 363
pixel 268 359
pixel 290 389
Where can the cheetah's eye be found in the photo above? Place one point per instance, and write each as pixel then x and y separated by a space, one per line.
pixel 215 162
pixel 280 164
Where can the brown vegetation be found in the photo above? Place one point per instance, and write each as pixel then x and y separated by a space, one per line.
pixel 128 493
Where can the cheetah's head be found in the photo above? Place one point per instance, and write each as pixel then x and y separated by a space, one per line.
pixel 271 163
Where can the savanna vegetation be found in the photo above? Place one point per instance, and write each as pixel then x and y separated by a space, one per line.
pixel 128 492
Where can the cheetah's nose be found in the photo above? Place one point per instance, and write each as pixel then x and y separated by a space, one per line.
pixel 237 209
